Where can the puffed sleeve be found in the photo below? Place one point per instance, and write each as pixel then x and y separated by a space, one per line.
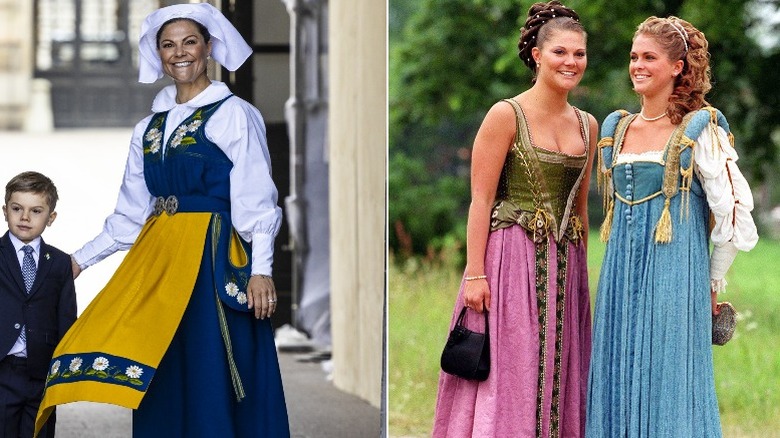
pixel 729 198
pixel 238 129
pixel 133 207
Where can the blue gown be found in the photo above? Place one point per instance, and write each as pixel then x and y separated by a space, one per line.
pixel 651 370
pixel 193 393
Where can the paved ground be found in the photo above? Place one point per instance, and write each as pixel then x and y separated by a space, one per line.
pixel 316 409
pixel 87 167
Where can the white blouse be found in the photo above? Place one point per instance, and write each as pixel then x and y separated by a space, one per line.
pixel 728 195
pixel 729 198
pixel 237 128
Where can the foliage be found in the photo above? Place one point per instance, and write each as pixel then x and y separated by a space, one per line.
pixel 425 212
pixel 450 60
pixel 421 300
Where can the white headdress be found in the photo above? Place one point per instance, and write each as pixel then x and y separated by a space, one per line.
pixel 228 47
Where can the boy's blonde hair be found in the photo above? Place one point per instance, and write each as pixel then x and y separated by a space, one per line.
pixel 33 182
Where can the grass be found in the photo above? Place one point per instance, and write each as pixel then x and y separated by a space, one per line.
pixel 421 299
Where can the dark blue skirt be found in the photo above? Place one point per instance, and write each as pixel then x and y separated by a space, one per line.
pixel 192 394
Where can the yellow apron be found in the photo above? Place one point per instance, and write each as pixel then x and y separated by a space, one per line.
pixel 111 352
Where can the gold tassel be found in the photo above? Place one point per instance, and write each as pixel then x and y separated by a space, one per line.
pixel 663 230
pixel 687 180
pixel 607 191
pixel 601 175
pixel 606 227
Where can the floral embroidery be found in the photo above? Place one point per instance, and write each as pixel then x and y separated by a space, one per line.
pixel 231 289
pixel 192 127
pixel 123 372
pixel 180 136
pixel 154 136
pixel 75 364
pixel 134 371
pixel 100 363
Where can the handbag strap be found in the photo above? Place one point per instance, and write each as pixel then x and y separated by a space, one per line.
pixel 463 314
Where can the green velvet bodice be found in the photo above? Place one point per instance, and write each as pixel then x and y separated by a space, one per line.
pixel 537 184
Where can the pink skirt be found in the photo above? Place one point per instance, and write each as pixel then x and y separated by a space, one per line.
pixel 539 345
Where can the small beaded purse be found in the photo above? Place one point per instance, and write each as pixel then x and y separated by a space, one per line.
pixel 723 324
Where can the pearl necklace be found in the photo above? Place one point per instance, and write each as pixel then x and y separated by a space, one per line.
pixel 651 119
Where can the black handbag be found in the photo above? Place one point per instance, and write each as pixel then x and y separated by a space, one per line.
pixel 467 353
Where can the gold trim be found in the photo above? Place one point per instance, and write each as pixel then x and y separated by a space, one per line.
pixel 562 260
pixel 638 201
pixel 542 273
pixel 238 387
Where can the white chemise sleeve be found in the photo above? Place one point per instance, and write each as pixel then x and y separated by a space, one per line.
pixel 133 207
pixel 238 129
pixel 729 198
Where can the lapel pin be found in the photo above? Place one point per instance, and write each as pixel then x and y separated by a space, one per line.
pixel 47 256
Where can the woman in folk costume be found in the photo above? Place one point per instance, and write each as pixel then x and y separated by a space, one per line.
pixel 526 264
pixel 181 333
pixel 669 173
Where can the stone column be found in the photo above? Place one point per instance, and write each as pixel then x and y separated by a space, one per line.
pixel 357 135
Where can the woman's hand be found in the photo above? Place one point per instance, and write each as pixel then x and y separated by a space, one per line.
pixel 715 305
pixel 261 296
pixel 75 266
pixel 477 294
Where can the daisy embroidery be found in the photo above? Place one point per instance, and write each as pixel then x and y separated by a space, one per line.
pixel 154 136
pixel 181 131
pixel 100 363
pixel 192 127
pixel 134 371
pixel 241 298
pixel 180 136
pixel 55 368
pixel 231 289
pixel 75 364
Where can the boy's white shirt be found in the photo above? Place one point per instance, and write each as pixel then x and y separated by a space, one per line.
pixel 20 346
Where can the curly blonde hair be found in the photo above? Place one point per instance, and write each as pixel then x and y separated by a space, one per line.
pixel 681 40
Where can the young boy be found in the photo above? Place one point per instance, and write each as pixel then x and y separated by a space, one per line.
pixel 37 302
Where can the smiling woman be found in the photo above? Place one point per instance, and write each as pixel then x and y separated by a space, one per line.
pixel 526 230
pixel 194 295
pixel 184 47
pixel 671 184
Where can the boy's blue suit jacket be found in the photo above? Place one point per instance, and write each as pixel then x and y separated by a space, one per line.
pixel 46 312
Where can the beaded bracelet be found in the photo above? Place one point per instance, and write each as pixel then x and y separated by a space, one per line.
pixel 476 277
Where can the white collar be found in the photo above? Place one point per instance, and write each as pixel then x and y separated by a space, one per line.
pixel 166 98
pixel 18 244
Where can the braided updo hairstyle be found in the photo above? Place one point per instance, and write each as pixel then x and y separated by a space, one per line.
pixel 681 40
pixel 543 19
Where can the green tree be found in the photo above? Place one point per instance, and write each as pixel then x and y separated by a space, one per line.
pixel 450 60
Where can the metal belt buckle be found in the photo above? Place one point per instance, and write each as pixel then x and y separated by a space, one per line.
pixel 159 206
pixel 171 205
